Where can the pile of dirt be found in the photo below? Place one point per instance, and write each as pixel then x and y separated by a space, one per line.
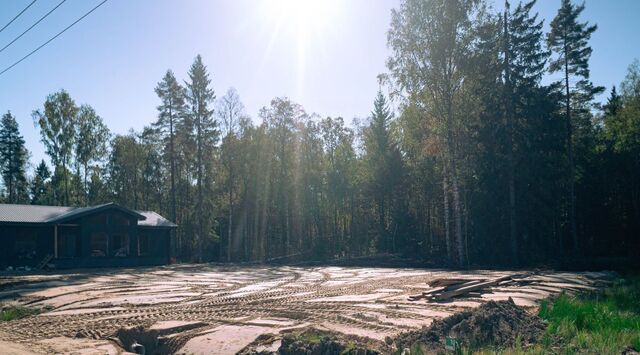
pixel 310 341
pixel 495 323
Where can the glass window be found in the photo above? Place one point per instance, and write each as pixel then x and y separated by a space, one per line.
pixel 120 244
pixel 99 244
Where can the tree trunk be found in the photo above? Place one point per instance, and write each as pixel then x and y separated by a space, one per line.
pixel 509 118
pixel 11 197
pixel 66 180
pixel 572 196
pixel 458 217
pixel 381 225
pixel 199 203
pixel 230 229
pixel 447 228
pixel 86 192
pixel 173 179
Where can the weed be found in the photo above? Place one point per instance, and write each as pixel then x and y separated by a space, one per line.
pixel 16 312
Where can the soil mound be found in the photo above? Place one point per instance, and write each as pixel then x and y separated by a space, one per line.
pixel 310 341
pixel 495 323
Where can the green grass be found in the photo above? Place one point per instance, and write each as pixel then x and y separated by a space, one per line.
pixel 16 312
pixel 605 323
pixel 309 337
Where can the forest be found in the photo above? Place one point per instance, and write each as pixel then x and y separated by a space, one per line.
pixel 487 144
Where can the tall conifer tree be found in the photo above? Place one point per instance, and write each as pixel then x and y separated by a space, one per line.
pixel 569 39
pixel 523 64
pixel 13 159
pixel 200 96
pixel 40 185
pixel 170 113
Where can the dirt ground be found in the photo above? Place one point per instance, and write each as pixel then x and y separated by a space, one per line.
pixel 209 309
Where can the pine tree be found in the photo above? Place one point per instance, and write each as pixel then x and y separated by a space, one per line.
pixel 523 65
pixel 40 185
pixel 569 39
pixel 13 159
pixel 200 96
pixel 613 105
pixel 170 114
pixel 378 147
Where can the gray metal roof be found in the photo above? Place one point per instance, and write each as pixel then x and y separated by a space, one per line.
pixel 153 219
pixel 52 214
pixel 31 213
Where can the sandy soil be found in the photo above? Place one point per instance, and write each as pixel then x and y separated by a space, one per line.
pixel 210 309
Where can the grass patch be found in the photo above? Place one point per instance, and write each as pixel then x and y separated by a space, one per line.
pixel 603 323
pixel 16 312
pixel 310 337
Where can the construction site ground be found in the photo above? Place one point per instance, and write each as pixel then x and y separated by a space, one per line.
pixel 205 309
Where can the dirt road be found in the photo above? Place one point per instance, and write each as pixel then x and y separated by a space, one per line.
pixel 218 309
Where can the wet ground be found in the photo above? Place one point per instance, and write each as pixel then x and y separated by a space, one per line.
pixel 218 309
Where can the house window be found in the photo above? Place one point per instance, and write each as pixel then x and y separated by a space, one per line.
pixel 120 244
pixel 143 244
pixel 99 244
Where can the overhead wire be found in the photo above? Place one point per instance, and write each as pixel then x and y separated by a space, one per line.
pixel 52 38
pixel 18 15
pixel 32 26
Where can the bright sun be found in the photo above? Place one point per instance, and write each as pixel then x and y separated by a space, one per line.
pixel 303 15
pixel 305 24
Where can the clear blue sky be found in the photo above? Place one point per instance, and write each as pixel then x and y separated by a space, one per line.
pixel 113 59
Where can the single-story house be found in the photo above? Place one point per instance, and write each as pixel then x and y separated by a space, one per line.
pixel 72 237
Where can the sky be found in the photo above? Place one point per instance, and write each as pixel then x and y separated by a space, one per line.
pixel 324 54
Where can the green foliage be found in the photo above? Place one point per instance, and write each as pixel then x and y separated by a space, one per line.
pixel 13 160
pixel 205 136
pixel 41 185
pixel 383 169
pixel 16 312
pixel 480 163
pixel 91 146
pixel 57 124
pixel 604 324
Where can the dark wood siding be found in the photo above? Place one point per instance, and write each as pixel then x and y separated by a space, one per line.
pixel 74 242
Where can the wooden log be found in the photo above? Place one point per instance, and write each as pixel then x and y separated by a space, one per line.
pixel 470 283
pixel 466 289
pixel 446 282
pixel 434 290
pixel 427 293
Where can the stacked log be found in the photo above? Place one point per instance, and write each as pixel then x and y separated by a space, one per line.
pixel 445 289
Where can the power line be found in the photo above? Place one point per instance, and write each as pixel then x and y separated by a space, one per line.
pixel 18 15
pixel 52 38
pixel 32 26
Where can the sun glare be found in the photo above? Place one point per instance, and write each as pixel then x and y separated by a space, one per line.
pixel 303 15
pixel 305 24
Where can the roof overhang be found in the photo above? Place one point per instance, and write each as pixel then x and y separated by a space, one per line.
pixel 82 212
